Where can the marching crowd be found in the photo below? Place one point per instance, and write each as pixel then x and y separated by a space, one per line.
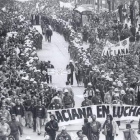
pixel 108 81
pixel 25 92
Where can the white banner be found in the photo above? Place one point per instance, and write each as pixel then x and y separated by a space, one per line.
pixel 66 5
pixel 121 48
pixel 76 115
pixel 51 71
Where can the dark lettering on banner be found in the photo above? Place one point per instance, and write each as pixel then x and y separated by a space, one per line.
pixel 138 112
pixel 122 51
pixel 89 112
pixel 99 111
pixel 117 45
pixel 74 114
pixel 70 117
pixel 120 111
pixel 114 111
pixel 105 110
pixel 127 51
pixel 64 117
pixel 119 52
pixel 59 116
pixel 125 109
pixel 115 52
pixel 132 110
pixel 107 53
pixel 82 112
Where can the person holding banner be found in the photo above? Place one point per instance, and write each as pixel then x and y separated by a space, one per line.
pixel 110 128
pixel 51 127
pixel 94 129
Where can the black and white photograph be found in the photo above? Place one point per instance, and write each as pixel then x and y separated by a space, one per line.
pixel 69 69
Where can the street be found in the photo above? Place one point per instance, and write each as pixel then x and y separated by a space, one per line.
pixel 57 53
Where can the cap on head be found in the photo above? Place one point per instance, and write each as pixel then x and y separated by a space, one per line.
pixel 89 84
pixel 63 127
pixel 52 115
pixel 66 91
pixel 116 90
pixel 97 90
pixel 47 137
pixel 123 92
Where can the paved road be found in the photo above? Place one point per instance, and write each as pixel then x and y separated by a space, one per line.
pixel 57 53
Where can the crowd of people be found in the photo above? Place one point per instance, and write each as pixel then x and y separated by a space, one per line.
pixel 113 77
pixel 25 90
pixel 26 94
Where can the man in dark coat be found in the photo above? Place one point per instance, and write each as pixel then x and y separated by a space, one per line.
pixel 94 129
pixel 51 127
pixel 70 69
pixel 39 114
pixel 49 34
